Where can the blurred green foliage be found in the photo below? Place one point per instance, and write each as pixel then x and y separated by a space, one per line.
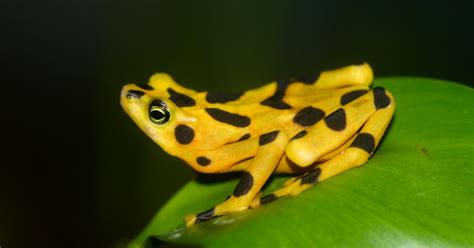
pixel 236 46
pixel 75 160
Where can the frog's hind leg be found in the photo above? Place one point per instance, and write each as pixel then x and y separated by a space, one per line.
pixel 271 149
pixel 337 128
pixel 355 155
pixel 344 76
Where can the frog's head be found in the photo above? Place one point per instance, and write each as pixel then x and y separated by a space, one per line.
pixel 156 108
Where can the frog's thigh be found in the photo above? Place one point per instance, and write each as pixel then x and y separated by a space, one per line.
pixel 271 148
pixel 288 167
pixel 355 155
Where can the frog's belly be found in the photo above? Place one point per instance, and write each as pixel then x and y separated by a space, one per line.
pixel 285 166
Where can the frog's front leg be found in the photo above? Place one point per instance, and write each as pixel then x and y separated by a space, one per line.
pixel 271 149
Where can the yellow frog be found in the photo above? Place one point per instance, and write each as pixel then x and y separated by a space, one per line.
pixel 316 127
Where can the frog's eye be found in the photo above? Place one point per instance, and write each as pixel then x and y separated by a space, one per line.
pixel 158 112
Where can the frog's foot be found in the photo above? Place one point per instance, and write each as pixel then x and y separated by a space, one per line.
pixel 293 186
pixel 193 219
pixel 271 148
pixel 231 205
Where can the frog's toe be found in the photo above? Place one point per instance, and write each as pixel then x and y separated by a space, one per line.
pixel 269 198
pixel 255 203
pixel 190 220
pixel 258 201
pixel 193 219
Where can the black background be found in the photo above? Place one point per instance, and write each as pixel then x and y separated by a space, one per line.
pixel 76 172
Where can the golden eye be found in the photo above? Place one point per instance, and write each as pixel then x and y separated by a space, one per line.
pixel 158 112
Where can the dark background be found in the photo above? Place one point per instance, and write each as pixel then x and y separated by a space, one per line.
pixel 76 172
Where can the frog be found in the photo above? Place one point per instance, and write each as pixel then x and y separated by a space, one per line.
pixel 314 127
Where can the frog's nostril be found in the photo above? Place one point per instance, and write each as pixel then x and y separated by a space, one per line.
pixel 135 94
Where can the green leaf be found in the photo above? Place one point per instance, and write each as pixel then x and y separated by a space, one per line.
pixel 416 190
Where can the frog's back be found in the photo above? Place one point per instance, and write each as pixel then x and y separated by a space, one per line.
pixel 289 106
